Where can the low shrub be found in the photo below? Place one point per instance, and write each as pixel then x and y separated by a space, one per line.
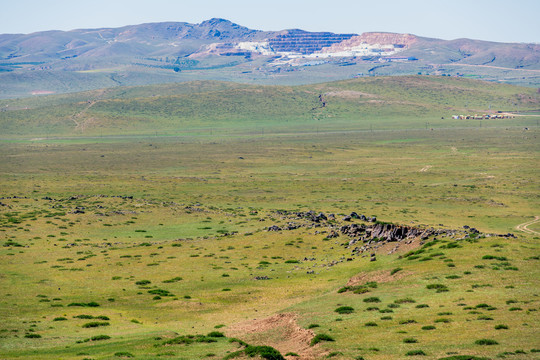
pixel 320 337
pixel 372 299
pixel 143 282
pixel 215 334
pixel 414 353
pixel 94 324
pixel 501 327
pixel 100 337
pixel 124 354
pixel 438 287
pixel 410 341
pixel 344 310
pixel 486 342
pixel 404 301
pixel 428 327
pixel 240 342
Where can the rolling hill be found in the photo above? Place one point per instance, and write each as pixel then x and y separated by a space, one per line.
pixel 217 49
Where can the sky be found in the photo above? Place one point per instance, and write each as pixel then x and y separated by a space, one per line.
pixel 493 20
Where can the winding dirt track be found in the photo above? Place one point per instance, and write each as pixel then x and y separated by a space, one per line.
pixel 523 227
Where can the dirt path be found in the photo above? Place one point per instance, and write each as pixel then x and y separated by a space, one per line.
pixel 82 125
pixel 280 331
pixel 487 66
pixel 523 227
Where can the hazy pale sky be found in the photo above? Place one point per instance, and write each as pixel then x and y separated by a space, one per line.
pixel 495 20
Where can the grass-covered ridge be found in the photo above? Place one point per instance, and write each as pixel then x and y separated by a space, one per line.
pixel 227 108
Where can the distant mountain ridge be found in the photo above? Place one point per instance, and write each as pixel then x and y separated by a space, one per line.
pixel 171 51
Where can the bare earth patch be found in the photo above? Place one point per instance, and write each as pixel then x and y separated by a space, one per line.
pixel 378 276
pixel 280 331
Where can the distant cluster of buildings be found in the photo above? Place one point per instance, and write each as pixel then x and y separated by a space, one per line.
pixel 482 117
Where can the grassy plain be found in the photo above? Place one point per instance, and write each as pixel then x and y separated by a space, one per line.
pixel 88 217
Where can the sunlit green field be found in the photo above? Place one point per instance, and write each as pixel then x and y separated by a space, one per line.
pixel 115 243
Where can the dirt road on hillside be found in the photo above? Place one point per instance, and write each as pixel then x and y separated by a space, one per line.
pixel 523 227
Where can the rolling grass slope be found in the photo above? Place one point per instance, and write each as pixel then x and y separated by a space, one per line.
pixel 353 104
pixel 159 247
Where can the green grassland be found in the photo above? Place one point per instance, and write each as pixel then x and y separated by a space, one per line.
pixel 150 225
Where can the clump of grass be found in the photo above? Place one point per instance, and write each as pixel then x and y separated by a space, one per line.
pixel 408 321
pixel 438 287
pixel 143 282
pixel 415 353
pixel 90 304
pixel 443 320
pixel 371 323
pixel 312 326
pixel 428 327
pixel 94 324
pixel 320 337
pixel 124 354
pixel 486 342
pixel 216 334
pixel 501 327
pixel 410 341
pixel 344 310
pixel 421 306
pixel 492 257
pixel 160 292
pixel 83 316
pixel 100 337
pixel 404 301
pixel 395 270
pixel 60 318
pixel 372 299
pixel 32 336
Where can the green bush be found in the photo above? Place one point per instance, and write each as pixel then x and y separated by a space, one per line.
pixel 266 352
pixel 124 354
pixel 404 301
pixel 320 337
pixel 414 352
pixel 438 287
pixel 240 342
pixel 312 326
pixel 94 324
pixel 61 318
pixel 371 323
pixel 428 327
pixel 395 270
pixel 215 334
pixel 32 336
pixel 344 310
pixel 83 316
pixel 160 292
pixel 372 299
pixel 486 342
pixel 100 337
pixel 501 327
pixel 143 282
pixel 410 340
